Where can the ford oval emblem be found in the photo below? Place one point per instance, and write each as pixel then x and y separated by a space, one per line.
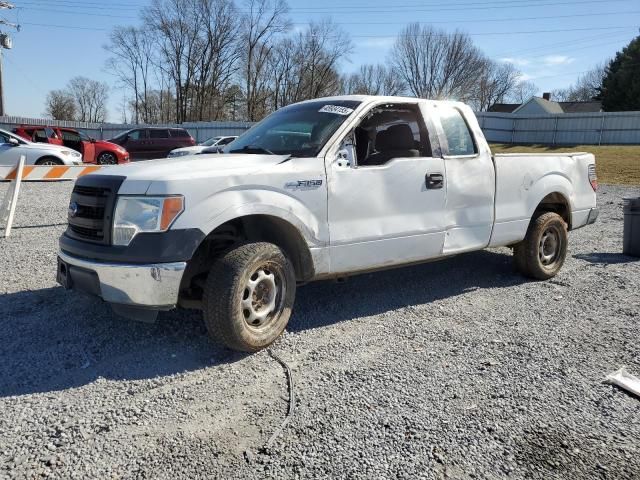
pixel 73 209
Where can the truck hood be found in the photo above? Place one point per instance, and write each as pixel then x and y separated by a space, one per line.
pixel 193 167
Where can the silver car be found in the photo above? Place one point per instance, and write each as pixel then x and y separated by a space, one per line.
pixel 219 141
pixel 12 147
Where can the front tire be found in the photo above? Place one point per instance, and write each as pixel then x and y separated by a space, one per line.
pixel 544 249
pixel 248 296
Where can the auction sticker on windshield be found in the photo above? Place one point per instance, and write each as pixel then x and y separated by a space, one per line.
pixel 336 109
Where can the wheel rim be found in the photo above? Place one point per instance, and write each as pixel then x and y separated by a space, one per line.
pixel 550 246
pixel 108 159
pixel 49 162
pixel 262 297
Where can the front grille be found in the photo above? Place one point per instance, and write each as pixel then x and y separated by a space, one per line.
pixel 87 232
pixel 91 208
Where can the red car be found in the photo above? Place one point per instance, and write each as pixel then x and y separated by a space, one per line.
pixel 93 151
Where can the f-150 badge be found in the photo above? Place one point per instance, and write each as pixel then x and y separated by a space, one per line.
pixel 303 184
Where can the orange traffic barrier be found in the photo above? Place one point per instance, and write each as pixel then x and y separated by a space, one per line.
pixel 47 172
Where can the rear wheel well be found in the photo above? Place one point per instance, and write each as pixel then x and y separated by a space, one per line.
pixel 556 203
pixel 252 228
pixel 44 159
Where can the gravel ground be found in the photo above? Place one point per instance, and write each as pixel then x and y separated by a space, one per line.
pixel 457 369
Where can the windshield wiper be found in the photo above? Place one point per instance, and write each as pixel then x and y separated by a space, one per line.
pixel 252 149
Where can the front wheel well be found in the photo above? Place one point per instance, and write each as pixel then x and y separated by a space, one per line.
pixel 251 228
pixel 557 203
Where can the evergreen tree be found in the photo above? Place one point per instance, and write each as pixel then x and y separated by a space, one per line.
pixel 621 85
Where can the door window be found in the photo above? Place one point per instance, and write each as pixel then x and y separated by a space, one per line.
pixel 456 130
pixel 137 135
pixel 40 135
pixel 391 131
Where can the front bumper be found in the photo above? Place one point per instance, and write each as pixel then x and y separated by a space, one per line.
pixel 150 286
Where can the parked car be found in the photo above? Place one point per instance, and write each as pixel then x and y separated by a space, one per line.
pixel 212 143
pixel 12 147
pixel 153 142
pixel 319 189
pixel 100 152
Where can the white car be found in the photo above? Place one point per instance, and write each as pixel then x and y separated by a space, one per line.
pixel 12 147
pixel 212 142
pixel 320 189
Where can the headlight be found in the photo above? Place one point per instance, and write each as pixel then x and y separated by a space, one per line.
pixel 178 154
pixel 70 153
pixel 144 214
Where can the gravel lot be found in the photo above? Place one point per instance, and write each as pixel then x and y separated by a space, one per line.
pixel 457 369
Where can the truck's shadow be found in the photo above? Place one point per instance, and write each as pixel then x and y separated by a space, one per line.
pixel 52 339
pixel 606 258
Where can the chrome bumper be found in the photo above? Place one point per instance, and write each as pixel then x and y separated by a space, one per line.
pixel 153 286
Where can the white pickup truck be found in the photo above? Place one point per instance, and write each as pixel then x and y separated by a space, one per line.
pixel 320 189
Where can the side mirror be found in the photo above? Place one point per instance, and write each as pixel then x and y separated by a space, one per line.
pixel 92 140
pixel 13 142
pixel 346 154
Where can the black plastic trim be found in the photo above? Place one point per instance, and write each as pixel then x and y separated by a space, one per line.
pixel 145 248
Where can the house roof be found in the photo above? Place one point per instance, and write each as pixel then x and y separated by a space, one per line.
pixel 549 106
pixel 503 107
pixel 581 107
pixel 546 105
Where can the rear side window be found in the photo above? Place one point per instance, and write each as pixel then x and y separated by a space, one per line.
pixel 158 133
pixel 180 133
pixel 457 132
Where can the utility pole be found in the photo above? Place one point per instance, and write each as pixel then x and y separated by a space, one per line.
pixel 5 43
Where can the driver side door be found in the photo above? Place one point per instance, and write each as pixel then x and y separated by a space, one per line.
pixel 387 191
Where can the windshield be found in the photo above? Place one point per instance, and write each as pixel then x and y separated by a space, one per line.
pixel 211 141
pixel 299 130
pixel 4 137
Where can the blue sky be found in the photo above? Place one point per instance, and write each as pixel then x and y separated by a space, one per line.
pixel 550 42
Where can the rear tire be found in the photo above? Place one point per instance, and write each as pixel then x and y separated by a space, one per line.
pixel 49 161
pixel 107 158
pixel 544 249
pixel 248 296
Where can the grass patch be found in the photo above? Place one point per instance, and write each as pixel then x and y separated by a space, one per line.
pixel 614 163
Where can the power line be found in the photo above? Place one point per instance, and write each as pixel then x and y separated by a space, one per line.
pixel 508 19
pixel 346 9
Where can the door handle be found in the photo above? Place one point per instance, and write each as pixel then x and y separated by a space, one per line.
pixel 434 181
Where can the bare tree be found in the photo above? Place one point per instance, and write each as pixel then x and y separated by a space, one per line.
pixel 495 83
pixel 373 80
pixel 523 91
pixel 176 25
pixel 218 57
pixel 90 97
pixel 132 63
pixel 306 66
pixel 263 21
pixel 586 88
pixel 435 64
pixel 60 105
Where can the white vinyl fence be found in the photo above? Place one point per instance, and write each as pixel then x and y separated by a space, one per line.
pixel 611 128
pixel 104 131
pixel 614 128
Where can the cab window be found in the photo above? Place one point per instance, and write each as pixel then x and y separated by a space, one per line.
pixel 391 131
pixel 457 132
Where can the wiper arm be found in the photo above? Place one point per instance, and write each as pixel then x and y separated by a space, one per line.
pixel 252 149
